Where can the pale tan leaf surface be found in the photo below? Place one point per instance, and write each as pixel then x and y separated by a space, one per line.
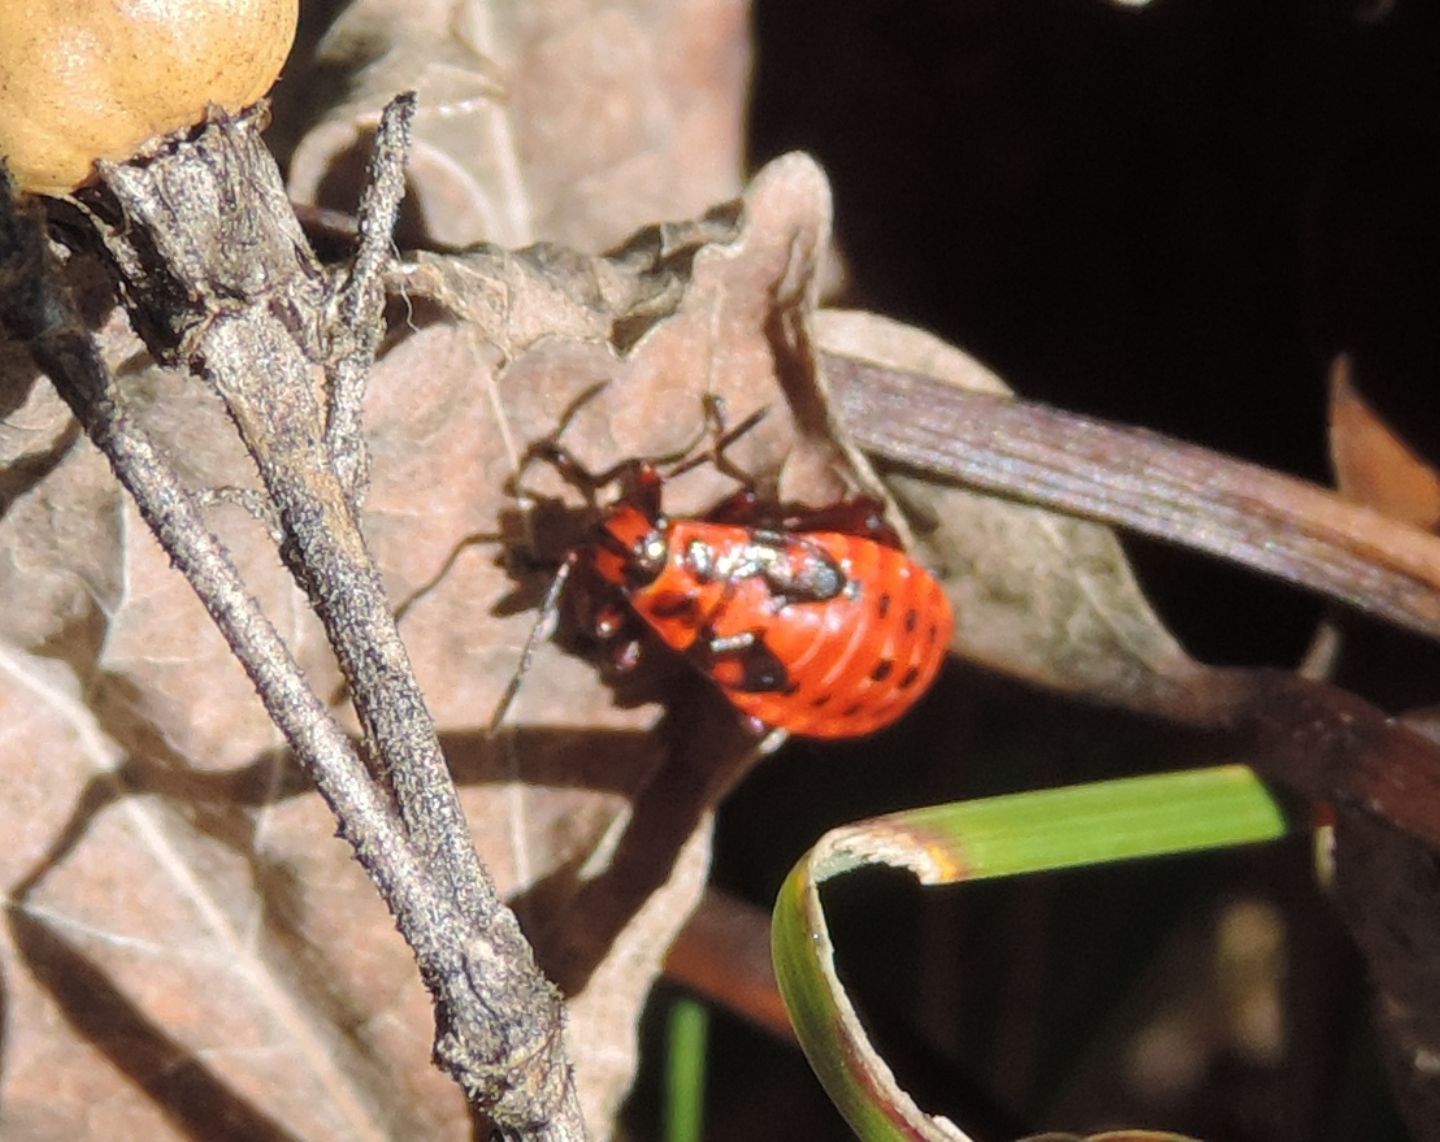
pixel 162 660
pixel 174 905
pixel 146 957
pixel 572 122
pixel 136 921
pixel 63 502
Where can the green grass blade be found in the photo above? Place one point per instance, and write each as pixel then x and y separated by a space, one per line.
pixel 1052 829
pixel 687 1034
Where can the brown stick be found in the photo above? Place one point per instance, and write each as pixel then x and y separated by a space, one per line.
pixel 1145 482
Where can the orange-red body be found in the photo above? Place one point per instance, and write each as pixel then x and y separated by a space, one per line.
pixel 822 633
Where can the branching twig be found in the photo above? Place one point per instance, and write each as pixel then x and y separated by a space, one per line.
pixel 38 309
pixel 357 328
pixel 217 277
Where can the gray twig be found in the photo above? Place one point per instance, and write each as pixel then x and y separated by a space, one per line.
pixel 360 298
pixel 217 277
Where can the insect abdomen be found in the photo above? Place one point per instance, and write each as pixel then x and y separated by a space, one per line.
pixel 826 667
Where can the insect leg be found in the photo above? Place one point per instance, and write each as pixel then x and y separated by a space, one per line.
pixel 715 454
pixel 862 516
pixel 541 630
pixel 742 662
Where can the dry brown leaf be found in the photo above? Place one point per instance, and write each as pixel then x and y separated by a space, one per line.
pixel 58 581
pixel 573 122
pixel 1373 465
pixel 178 911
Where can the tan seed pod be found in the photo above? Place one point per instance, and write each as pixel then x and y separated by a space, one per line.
pixel 82 80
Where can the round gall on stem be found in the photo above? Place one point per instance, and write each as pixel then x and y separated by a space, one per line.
pixel 83 80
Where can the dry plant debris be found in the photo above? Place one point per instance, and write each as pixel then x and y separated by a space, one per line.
pixel 188 940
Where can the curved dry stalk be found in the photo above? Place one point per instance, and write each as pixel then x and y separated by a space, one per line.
pixel 1147 483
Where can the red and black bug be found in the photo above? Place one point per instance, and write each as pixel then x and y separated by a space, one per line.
pixel 815 623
